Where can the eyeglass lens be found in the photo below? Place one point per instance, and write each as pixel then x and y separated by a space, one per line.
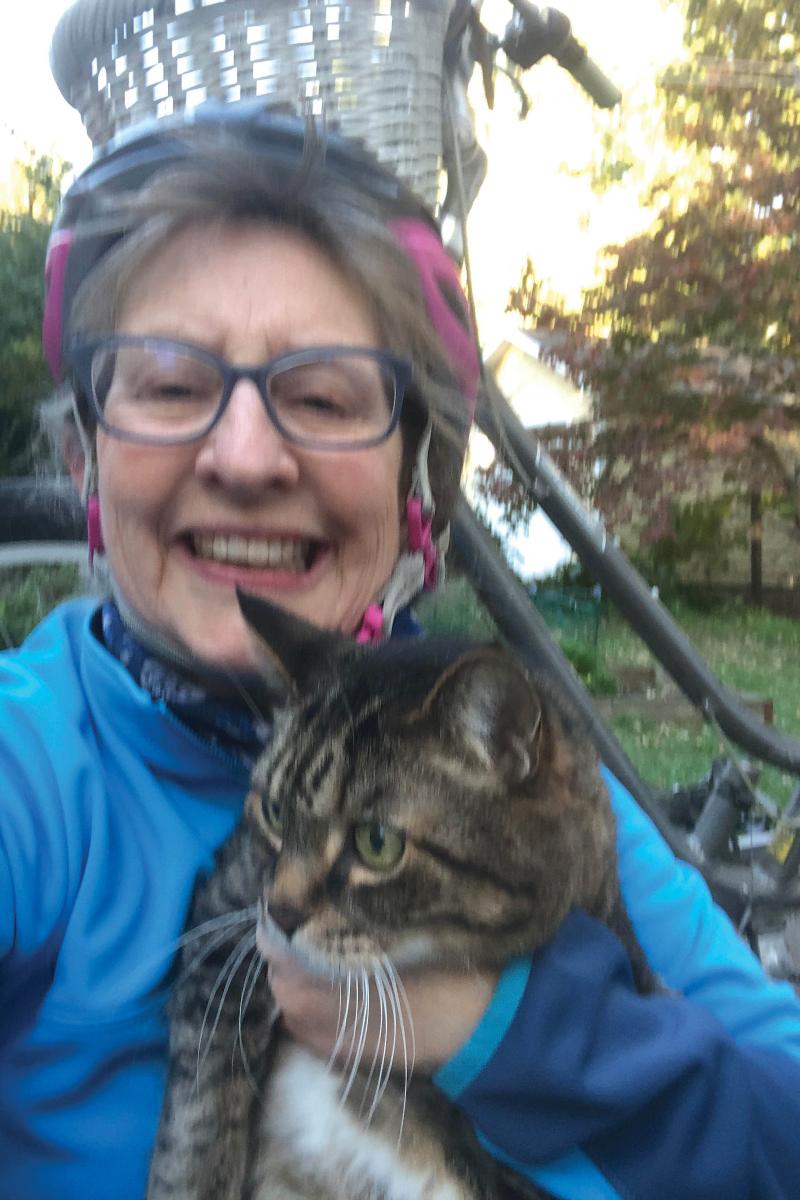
pixel 167 393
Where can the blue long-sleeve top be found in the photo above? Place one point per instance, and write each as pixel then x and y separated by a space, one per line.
pixel 108 809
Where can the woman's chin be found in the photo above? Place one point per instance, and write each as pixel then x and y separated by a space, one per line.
pixel 205 615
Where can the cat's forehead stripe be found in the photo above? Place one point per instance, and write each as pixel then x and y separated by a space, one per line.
pixel 281 750
pixel 318 780
pixel 321 768
pixel 327 732
pixel 308 770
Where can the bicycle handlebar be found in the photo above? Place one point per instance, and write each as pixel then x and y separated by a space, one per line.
pixel 533 33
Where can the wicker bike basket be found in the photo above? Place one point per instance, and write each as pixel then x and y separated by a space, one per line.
pixel 372 69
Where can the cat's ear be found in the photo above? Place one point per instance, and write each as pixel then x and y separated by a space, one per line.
pixel 490 706
pixel 292 651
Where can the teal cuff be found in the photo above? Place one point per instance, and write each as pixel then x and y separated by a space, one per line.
pixel 468 1062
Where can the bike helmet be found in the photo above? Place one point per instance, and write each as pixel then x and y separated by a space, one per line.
pixel 83 236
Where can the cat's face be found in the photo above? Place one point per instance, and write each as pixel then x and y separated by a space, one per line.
pixel 414 806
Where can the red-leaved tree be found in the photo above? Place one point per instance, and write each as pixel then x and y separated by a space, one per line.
pixel 690 347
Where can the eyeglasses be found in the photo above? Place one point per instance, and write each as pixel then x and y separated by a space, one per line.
pixel 161 392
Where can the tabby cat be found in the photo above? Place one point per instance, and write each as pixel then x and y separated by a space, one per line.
pixel 421 802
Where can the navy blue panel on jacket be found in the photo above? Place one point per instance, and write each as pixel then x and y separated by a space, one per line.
pixel 657 1094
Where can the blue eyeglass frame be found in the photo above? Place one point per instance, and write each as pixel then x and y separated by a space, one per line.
pixel 81 356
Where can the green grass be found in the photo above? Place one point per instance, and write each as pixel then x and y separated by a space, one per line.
pixel 752 652
pixel 455 609
pixel 28 593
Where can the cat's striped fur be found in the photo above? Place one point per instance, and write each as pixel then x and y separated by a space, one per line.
pixel 499 824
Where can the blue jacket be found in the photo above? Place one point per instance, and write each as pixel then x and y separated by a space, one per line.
pixel 109 807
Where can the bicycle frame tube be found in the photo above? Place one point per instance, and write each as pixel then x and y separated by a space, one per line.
pixel 734 886
pixel 587 535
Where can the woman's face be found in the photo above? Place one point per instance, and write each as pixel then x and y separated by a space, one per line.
pixel 180 522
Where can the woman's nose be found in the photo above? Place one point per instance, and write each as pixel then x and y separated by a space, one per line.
pixel 245 449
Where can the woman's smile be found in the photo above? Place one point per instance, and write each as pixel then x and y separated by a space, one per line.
pixel 285 553
pixel 242 506
pixel 260 561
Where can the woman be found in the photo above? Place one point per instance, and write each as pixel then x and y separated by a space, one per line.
pixel 124 746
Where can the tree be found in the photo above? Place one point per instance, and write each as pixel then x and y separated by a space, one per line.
pixel 690 346
pixel 24 379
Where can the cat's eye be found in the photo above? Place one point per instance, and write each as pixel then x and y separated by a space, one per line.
pixel 273 813
pixel 379 846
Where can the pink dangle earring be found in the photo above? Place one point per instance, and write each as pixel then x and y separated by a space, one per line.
pixel 94 528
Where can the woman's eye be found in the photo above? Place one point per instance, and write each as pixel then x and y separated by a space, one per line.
pixel 379 846
pixel 174 391
pixel 322 406
pixel 169 390
pixel 273 813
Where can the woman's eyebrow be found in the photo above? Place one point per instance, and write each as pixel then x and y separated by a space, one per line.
pixel 208 339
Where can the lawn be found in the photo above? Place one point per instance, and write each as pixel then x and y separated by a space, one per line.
pixel 28 593
pixel 752 652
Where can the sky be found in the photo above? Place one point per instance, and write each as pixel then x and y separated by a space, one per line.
pixel 32 110
pixel 536 201
pixel 632 40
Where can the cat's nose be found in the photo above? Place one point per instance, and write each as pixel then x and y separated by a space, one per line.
pixel 288 917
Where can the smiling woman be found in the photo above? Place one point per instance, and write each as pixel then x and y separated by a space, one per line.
pixel 268 370
pixel 289 478
pixel 242 505
pixel 256 397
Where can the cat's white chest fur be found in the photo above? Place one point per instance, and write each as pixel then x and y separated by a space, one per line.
pixel 306 1123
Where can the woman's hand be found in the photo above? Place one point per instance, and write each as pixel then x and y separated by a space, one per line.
pixel 445 1007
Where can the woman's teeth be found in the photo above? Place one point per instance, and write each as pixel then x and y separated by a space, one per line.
pixel 287 554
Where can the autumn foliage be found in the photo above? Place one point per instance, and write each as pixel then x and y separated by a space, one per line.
pixel 690 347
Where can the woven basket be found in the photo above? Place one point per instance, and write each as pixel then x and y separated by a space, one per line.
pixel 372 68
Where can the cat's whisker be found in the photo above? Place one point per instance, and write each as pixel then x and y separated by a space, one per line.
pixel 401 1000
pixel 396 1024
pixel 226 922
pixel 248 987
pixel 217 940
pixel 383 1044
pixel 365 1018
pixel 227 974
pixel 391 1008
pixel 403 995
pixel 226 919
pixel 342 1023
pixel 362 1035
pixel 380 1087
pixel 351 1050
pixel 356 1015
pixel 377 1050
pixel 249 700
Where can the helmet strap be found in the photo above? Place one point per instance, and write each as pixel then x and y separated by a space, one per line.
pixel 421 566
pixel 89 496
